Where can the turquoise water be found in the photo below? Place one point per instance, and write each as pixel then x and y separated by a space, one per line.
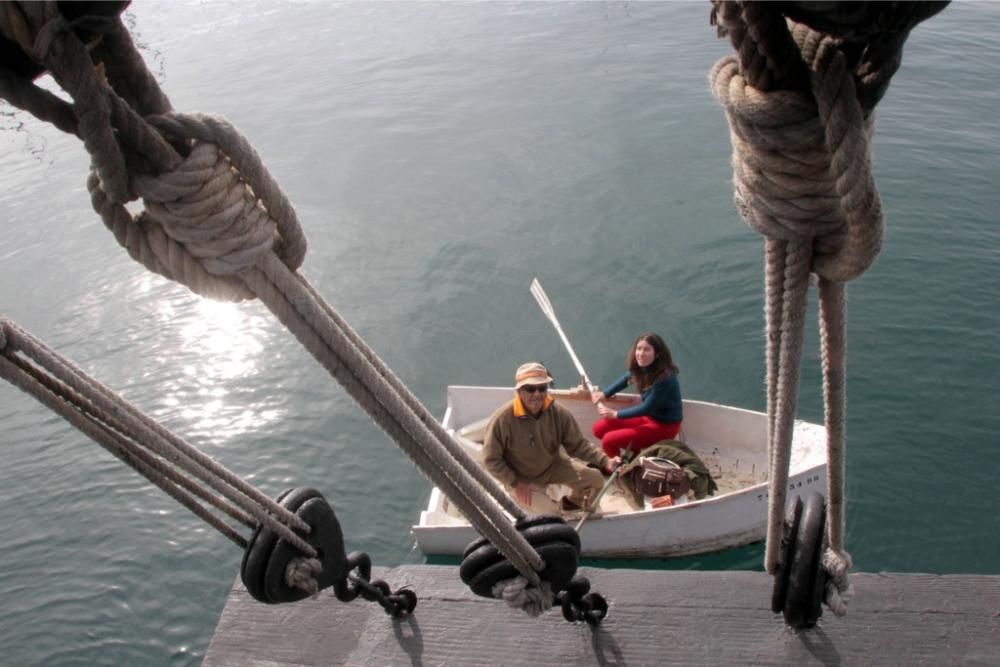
pixel 440 156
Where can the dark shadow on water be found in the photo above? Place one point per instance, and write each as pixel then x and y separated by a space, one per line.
pixel 750 557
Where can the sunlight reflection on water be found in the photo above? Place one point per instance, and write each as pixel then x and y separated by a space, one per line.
pixel 216 344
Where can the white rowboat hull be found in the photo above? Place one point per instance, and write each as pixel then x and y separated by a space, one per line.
pixel 731 441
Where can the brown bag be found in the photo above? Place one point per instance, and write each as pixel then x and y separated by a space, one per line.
pixel 655 477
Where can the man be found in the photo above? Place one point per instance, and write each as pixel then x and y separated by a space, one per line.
pixel 523 442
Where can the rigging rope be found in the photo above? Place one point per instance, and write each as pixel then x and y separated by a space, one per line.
pixel 215 221
pixel 138 440
pixel 799 97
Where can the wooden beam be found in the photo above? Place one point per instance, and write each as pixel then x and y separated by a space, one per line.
pixel 656 617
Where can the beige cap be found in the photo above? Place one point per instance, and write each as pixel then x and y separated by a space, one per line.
pixel 531 373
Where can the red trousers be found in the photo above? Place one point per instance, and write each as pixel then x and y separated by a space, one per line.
pixel 633 433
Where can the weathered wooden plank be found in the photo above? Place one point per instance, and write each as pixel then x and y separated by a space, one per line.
pixel 656 617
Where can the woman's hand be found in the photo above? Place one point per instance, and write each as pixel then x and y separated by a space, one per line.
pixel 607 412
pixel 597 396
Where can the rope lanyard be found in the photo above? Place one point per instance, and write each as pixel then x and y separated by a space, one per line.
pixel 799 97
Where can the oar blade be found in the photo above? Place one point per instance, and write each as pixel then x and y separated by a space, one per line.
pixel 543 299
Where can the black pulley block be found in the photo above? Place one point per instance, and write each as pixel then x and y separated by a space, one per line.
pixel 800 580
pixel 557 543
pixel 267 556
pixel 789 530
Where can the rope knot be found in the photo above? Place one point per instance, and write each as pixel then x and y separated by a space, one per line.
pixel 86 27
pixel 301 573
pixel 838 589
pixel 216 214
pixel 802 158
pixel 206 207
pixel 519 593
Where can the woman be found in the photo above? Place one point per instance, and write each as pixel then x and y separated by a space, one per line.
pixel 658 416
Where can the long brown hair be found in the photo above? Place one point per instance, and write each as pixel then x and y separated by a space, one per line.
pixel 662 366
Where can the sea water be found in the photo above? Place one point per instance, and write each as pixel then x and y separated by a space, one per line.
pixel 440 156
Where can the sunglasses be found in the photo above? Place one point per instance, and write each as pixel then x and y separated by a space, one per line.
pixel 535 388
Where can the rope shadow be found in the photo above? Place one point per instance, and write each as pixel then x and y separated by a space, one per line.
pixel 606 649
pixel 412 643
pixel 819 645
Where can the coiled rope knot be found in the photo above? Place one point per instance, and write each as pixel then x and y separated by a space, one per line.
pixel 217 213
pixel 211 208
pixel 802 159
pixel 801 136
pixel 206 207
pixel 519 593
pixel 302 573
pixel 838 589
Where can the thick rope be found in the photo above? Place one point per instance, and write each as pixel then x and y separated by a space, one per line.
pixel 481 476
pixel 275 287
pixel 132 436
pixel 799 98
pixel 833 328
pixel 214 226
pixel 215 221
pixel 43 104
pixel 785 189
pixel 793 291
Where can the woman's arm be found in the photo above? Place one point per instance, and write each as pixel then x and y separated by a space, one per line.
pixel 658 402
pixel 616 386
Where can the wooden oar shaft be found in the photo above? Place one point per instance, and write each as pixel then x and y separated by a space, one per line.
pixel 626 457
pixel 597 498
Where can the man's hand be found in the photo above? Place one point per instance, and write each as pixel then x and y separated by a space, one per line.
pixel 612 465
pixel 597 396
pixel 522 492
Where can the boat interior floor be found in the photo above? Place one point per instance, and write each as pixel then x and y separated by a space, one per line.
pixel 545 500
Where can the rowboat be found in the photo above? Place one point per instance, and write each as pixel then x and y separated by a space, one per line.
pixel 730 441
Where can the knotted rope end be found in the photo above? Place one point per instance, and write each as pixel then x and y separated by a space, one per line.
pixel 302 573
pixel 519 593
pixel 839 590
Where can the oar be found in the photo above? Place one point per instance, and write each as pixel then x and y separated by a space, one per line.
pixel 543 302
pixel 626 457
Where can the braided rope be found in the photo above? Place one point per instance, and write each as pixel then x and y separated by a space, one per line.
pixel 43 104
pixel 833 308
pixel 295 308
pixel 799 98
pixel 128 433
